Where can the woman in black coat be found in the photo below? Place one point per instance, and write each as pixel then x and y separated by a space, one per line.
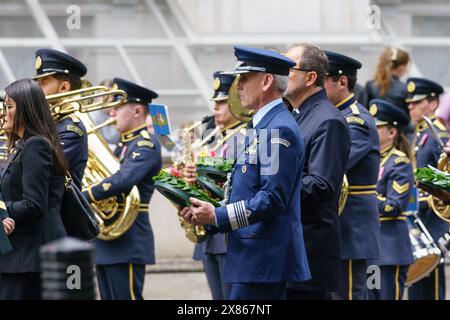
pixel 32 186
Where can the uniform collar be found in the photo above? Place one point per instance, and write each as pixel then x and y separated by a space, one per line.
pixel 385 154
pixel 347 102
pixel 265 110
pixel 423 125
pixel 132 134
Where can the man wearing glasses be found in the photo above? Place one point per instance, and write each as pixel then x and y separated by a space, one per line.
pixel 327 145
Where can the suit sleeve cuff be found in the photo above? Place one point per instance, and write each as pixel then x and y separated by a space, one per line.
pixel 232 216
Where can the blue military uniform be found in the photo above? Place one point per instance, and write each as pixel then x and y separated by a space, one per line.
pixel 71 130
pixel 265 246
pixel 120 263
pixel 426 151
pixel 359 221
pixel 394 187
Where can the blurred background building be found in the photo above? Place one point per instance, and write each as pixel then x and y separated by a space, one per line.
pixel 174 46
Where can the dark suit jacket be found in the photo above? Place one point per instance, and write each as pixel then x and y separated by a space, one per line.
pixel 32 191
pixel 327 146
pixel 395 95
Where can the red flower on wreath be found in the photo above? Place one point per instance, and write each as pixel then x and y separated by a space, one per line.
pixel 173 172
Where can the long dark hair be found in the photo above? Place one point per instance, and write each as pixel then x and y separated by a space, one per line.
pixel 33 114
pixel 401 142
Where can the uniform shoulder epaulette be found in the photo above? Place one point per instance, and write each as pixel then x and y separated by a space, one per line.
pixel 354 119
pixel 145 143
pixel 443 134
pixel 439 125
pixel 74 118
pixel 145 134
pixel 75 129
pixel 398 153
pixel 355 109
pixel 402 160
pixel 401 157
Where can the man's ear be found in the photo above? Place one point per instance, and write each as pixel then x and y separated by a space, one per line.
pixel 64 86
pixel 433 105
pixel 311 78
pixel 343 80
pixel 267 81
pixel 138 110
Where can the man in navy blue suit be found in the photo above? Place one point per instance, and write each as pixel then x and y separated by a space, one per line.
pixel 327 145
pixel 265 247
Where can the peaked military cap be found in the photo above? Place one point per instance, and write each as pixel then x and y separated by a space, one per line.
pixel 339 64
pixel 421 88
pixel 221 85
pixel 49 62
pixel 261 60
pixel 135 93
pixel 385 113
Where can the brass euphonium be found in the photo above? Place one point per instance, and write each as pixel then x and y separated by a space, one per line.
pixel 115 214
pixel 437 205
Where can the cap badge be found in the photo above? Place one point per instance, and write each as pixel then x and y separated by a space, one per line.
pixel 38 62
pixel 216 83
pixel 373 109
pixel 411 87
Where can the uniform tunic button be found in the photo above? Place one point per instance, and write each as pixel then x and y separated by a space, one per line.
pixel 253 235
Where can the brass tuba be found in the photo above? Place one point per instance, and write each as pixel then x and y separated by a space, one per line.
pixel 115 215
pixel 437 205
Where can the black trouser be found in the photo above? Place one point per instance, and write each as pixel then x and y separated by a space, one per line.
pixel 392 284
pixel 20 286
pixel 123 281
pixel 352 280
pixel 214 265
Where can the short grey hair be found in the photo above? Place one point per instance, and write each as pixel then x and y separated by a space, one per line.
pixel 281 82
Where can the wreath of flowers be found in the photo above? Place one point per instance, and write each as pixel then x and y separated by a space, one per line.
pixel 172 177
pixel 211 160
